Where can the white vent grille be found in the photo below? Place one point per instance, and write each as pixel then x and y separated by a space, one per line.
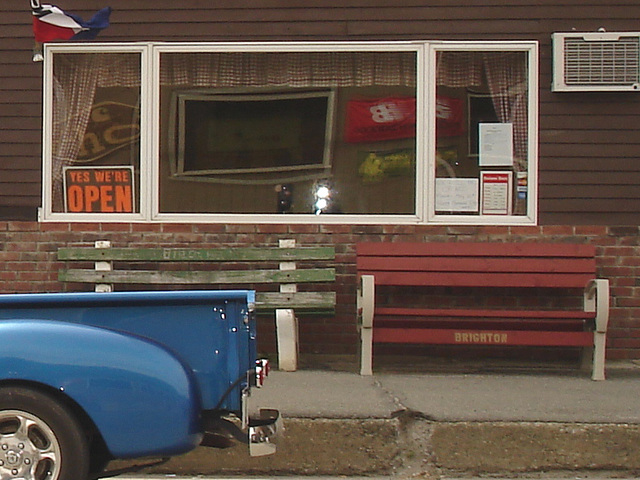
pixel 596 62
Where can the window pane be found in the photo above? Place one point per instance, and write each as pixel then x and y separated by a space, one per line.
pixel 96 129
pixel 305 132
pixel 481 133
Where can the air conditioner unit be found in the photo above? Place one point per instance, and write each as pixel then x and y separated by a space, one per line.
pixel 596 62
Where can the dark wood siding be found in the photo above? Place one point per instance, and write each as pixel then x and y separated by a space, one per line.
pixel 20 114
pixel 589 142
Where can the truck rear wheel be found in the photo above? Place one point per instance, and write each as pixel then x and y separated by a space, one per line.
pixel 39 438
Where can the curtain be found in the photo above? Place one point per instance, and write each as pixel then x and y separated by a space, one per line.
pixel 507 79
pixel 298 69
pixel 506 76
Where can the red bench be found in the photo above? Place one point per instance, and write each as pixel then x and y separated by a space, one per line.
pixel 492 294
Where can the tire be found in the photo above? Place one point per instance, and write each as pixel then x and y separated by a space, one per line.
pixel 40 438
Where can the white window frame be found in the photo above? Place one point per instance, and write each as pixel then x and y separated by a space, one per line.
pixel 531 217
pixel 425 122
pixel 46 212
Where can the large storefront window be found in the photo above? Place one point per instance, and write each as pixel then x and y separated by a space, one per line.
pixel 407 132
pixel 262 133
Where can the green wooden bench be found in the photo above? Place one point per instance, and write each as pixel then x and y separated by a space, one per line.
pixel 287 278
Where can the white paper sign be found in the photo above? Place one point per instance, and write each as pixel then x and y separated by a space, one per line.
pixel 496 144
pixel 457 195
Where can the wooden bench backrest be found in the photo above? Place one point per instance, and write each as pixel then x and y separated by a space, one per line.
pixel 253 266
pixel 478 264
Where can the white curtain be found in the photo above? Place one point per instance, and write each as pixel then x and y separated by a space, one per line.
pixel 506 76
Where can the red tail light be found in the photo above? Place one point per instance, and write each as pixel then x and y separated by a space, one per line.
pixel 263 367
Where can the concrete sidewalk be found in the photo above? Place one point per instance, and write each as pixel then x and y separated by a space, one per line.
pixel 456 397
pixel 340 423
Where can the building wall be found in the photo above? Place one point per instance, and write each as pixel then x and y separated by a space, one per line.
pixel 589 142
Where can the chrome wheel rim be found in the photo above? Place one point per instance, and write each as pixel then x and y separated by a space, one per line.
pixel 29 449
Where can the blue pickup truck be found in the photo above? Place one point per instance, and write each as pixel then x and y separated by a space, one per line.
pixel 86 378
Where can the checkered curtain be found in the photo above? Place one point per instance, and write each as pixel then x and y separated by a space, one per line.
pixel 506 76
pixel 459 69
pixel 293 69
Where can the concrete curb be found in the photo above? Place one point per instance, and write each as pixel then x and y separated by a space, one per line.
pixel 410 445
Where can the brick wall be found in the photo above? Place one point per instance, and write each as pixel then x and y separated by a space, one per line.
pixel 28 263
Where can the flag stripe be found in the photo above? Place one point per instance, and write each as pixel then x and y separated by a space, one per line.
pixel 46 32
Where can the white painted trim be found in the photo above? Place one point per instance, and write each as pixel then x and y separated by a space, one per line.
pixel 47 214
pixel 531 218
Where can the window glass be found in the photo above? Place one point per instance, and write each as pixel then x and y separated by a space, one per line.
pixel 288 132
pixel 95 133
pixel 404 133
pixel 482 133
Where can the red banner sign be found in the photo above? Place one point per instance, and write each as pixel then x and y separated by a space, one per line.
pixel 380 119
pixel 98 189
pixel 395 117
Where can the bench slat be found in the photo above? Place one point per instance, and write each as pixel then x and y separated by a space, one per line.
pixel 515 279
pixel 307 301
pixel 229 277
pixel 484 265
pixel 476 249
pixel 477 337
pixel 468 313
pixel 490 323
pixel 255 254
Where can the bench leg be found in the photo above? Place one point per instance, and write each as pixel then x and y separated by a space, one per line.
pixel 366 351
pixel 596 299
pixel 599 344
pixel 287 334
pixel 366 301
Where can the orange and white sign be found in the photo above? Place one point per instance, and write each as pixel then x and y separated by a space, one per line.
pixel 99 189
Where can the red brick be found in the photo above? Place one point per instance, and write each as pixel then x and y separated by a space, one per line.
pixel 240 228
pixel 210 228
pixel 272 229
pixel 85 227
pixel 560 230
pixel 304 228
pixel 335 229
pixel 23 226
pixel 594 230
pixel 177 228
pixel 533 231
pixel 493 230
pixel 54 227
pixel 146 227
